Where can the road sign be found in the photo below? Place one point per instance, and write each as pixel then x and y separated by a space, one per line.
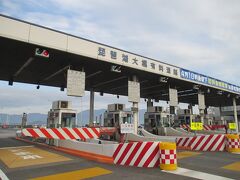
pixel 201 101
pixel 232 125
pixel 133 91
pixel 196 126
pixel 173 97
pixel 75 83
pixel 127 128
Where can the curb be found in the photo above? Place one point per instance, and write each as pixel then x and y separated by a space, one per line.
pixel 86 155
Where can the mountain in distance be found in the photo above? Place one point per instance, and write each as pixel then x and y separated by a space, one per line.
pixel 33 118
pixel 38 118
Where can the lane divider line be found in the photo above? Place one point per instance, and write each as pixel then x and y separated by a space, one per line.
pixel 16 147
pixel 235 152
pixel 196 174
pixel 3 176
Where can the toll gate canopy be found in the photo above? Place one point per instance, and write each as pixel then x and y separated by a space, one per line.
pixel 38 55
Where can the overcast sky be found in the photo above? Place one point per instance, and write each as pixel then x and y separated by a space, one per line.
pixel 199 35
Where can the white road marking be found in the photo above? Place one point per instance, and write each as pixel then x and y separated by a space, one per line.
pixel 196 174
pixel 235 152
pixel 16 147
pixel 3 176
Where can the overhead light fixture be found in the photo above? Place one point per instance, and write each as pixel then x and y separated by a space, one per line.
pixel 38 86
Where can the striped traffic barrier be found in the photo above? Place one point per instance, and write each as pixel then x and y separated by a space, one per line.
pixel 233 143
pixel 183 143
pixel 203 143
pixel 168 156
pixel 139 154
pixel 62 133
pixel 208 127
pixel 205 127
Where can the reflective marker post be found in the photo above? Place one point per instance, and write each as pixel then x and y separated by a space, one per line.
pixel 235 113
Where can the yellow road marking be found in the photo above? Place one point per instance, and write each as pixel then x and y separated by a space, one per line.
pixel 186 154
pixel 28 156
pixel 233 167
pixel 76 175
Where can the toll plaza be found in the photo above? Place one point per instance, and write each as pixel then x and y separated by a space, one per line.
pixel 42 56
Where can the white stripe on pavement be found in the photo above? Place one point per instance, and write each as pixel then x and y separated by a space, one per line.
pixel 196 174
pixel 3 176
pixel 235 152
pixel 16 147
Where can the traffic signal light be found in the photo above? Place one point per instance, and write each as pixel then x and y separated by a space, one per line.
pixel 42 52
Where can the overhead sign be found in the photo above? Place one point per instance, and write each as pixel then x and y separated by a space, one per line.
pixel 201 101
pixel 133 91
pixel 186 74
pixel 120 57
pixel 196 126
pixel 52 39
pixel 75 83
pixel 232 125
pixel 173 97
pixel 127 128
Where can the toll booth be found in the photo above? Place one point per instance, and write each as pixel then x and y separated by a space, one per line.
pixel 61 115
pixel 155 118
pixel 116 115
pixel 208 119
pixel 183 116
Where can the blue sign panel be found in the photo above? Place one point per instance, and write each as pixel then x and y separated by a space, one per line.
pixel 186 74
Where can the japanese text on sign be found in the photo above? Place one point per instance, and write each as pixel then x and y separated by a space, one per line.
pixel 127 128
pixel 186 74
pixel 196 126
pixel 232 125
pixel 133 60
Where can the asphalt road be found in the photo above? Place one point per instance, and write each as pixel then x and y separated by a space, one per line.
pixel 208 162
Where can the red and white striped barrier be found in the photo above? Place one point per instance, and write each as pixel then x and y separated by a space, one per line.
pixel 183 142
pixel 205 127
pixel 108 130
pixel 139 154
pixel 208 127
pixel 62 133
pixel 203 143
pixel 185 126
